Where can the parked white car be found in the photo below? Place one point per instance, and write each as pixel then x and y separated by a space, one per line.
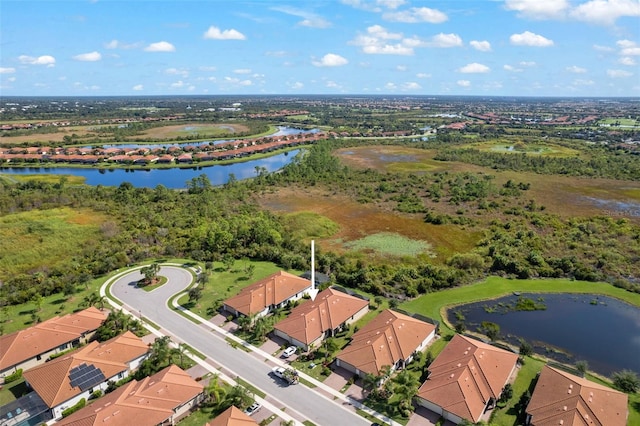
pixel 289 351
pixel 252 408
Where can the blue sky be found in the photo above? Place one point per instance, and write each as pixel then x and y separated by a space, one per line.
pixel 412 47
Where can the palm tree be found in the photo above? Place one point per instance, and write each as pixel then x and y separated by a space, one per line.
pixel 160 350
pixel 239 396
pixel 215 393
pixel 330 345
pixel 370 382
pixel 406 386
pixel 261 327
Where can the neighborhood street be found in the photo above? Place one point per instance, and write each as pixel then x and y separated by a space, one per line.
pixel 300 401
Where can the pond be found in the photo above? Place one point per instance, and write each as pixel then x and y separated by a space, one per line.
pixel 602 331
pixel 174 178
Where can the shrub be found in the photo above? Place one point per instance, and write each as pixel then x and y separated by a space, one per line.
pixel 96 394
pixel 69 411
pixel 14 376
pixel 627 381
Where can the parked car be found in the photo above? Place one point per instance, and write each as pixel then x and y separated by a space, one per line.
pixel 252 408
pixel 289 351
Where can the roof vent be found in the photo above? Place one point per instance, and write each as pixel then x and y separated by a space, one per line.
pixel 459 365
pixel 451 376
pixel 564 408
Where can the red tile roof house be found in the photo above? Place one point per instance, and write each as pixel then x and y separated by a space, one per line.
pixel 64 381
pixel 466 379
pixel 232 416
pixel 560 398
pixel 390 339
pixel 161 399
pixel 33 346
pixel 309 323
pixel 268 294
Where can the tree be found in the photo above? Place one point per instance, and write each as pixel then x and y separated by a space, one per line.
pixel 370 382
pixel 525 348
pixel 582 366
pixel 161 350
pixel 238 396
pixel 150 273
pixel 406 386
pixel 214 392
pixel 261 327
pixel 37 300
pixel 506 394
pixel 627 381
pixel 490 329
pixel 330 345
pixel 195 293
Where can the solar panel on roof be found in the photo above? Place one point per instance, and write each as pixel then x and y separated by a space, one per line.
pixel 85 376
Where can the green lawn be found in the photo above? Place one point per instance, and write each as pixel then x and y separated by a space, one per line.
pixel 224 283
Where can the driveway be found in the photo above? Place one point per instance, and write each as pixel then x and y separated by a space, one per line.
pixel 300 401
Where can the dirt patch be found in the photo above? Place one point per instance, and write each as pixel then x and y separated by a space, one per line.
pixel 360 220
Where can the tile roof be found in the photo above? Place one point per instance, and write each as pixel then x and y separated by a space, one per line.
pixel 51 380
pixel 47 335
pixel 232 416
pixel 465 375
pixel 561 398
pixel 311 319
pixel 147 402
pixel 388 338
pixel 272 290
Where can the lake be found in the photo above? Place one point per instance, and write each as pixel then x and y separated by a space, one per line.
pixel 603 331
pixel 173 178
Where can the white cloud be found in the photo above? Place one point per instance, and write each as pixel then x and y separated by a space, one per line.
pixel 332 85
pixel 214 33
pixel 474 68
pixel 391 4
pixel 161 46
pixel 175 71
pixel 445 40
pixel 115 44
pixel 527 63
pixel 309 19
pixel 177 84
pixel 600 48
pixel 238 82
pixel 47 60
pixel 582 82
pixel 138 87
pixel 296 85
pixel 627 60
pixel 411 85
pixel 619 73
pixel 538 9
pixel 576 69
pixel 416 15
pixel 401 68
pixel 511 68
pixel 331 60
pixel 377 42
pixel 528 38
pixel 242 71
pixel 88 57
pixel 8 70
pixel 625 43
pixel 483 46
pixel 463 83
pixel 606 12
pixel 207 68
pixel 423 75
pixel 374 5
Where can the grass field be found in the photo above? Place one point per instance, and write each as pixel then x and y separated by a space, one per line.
pixel 223 284
pixel 357 221
pixel 388 243
pixel 45 237
pixel 518 147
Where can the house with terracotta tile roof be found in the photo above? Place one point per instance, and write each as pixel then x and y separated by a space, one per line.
pixel 64 381
pixel 309 323
pixel 268 294
pixel 161 399
pixel 561 398
pixel 466 379
pixel 232 416
pixel 390 339
pixel 33 346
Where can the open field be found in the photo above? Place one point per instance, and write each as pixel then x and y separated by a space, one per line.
pixel 212 130
pixel 162 133
pixel 562 195
pixel 516 146
pixel 357 221
pixel 45 237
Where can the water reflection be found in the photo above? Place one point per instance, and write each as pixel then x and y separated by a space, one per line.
pixel 603 331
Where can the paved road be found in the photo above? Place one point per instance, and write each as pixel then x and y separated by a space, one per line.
pixel 300 399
